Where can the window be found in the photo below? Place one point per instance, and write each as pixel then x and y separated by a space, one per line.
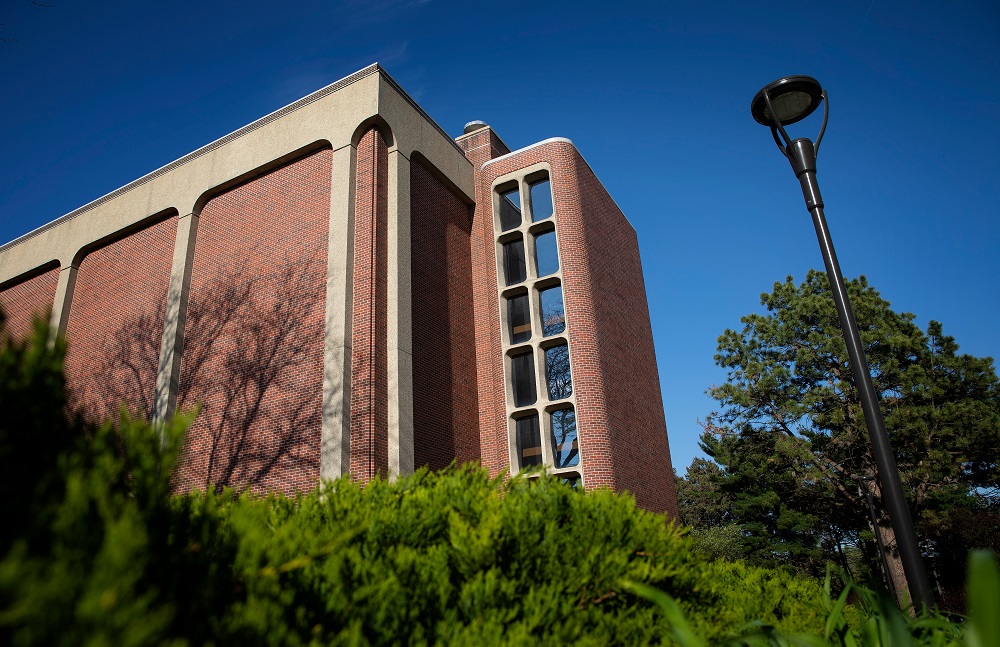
pixel 572 479
pixel 510 210
pixel 519 319
pixel 529 441
pixel 553 314
pixel 546 258
pixel 513 262
pixel 523 379
pixel 541 404
pixel 565 445
pixel 541 200
pixel 557 374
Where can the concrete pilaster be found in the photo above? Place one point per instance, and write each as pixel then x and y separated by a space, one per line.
pixel 63 298
pixel 172 343
pixel 335 446
pixel 400 329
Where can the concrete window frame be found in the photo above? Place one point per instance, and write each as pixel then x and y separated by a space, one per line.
pixel 522 180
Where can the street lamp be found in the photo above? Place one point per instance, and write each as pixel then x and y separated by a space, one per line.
pixel 778 104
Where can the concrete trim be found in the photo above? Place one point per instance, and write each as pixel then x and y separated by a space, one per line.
pixel 63 299
pixel 52 264
pixel 207 148
pixel 543 407
pixel 335 443
pixel 175 316
pixel 400 325
pixel 326 117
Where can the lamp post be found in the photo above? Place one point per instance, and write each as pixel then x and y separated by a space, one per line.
pixel 778 104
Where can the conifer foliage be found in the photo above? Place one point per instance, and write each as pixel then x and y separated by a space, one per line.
pixel 793 458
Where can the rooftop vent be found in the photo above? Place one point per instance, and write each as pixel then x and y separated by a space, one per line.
pixel 473 126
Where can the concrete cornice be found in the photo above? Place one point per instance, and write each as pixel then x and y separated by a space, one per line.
pixel 374 68
pixel 330 117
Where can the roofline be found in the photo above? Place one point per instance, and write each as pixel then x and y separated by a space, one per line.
pixel 563 140
pixel 550 140
pixel 374 68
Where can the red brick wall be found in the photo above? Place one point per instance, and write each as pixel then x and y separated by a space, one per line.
pixel 640 454
pixel 445 402
pixel 27 299
pixel 115 323
pixel 369 332
pixel 253 356
pixel 480 147
pixel 622 433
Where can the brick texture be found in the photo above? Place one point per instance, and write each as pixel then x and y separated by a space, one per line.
pixel 480 147
pixel 115 323
pixel 445 398
pixel 26 299
pixel 369 332
pixel 620 422
pixel 637 432
pixel 253 352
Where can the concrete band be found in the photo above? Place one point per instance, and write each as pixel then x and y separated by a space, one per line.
pixel 332 118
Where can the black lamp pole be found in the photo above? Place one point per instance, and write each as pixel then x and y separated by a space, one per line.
pixel 777 105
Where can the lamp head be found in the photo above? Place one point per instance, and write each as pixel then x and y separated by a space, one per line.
pixel 793 98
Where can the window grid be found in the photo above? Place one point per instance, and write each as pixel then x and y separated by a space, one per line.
pixel 540 334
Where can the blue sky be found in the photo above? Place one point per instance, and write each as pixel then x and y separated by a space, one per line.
pixel 655 95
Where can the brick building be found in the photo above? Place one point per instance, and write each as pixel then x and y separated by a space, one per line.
pixel 343 288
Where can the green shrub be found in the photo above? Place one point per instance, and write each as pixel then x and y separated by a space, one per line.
pixel 101 554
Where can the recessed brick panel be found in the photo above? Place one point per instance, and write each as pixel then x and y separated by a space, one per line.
pixel 115 323
pixel 445 398
pixel 369 333
pixel 253 351
pixel 25 300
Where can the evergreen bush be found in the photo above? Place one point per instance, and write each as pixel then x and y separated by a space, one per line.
pixel 99 553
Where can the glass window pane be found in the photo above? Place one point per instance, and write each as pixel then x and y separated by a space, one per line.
pixel 565 445
pixel 519 319
pixel 571 479
pixel 510 210
pixel 557 373
pixel 513 262
pixel 541 200
pixel 553 314
pixel 529 441
pixel 523 379
pixel 545 254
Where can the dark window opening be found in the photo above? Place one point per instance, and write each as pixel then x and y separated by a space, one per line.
pixel 572 479
pixel 510 210
pixel 546 258
pixel 553 314
pixel 565 444
pixel 523 379
pixel 513 262
pixel 529 441
pixel 557 373
pixel 541 200
pixel 519 319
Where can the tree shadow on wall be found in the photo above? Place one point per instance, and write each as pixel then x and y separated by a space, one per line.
pixel 251 364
